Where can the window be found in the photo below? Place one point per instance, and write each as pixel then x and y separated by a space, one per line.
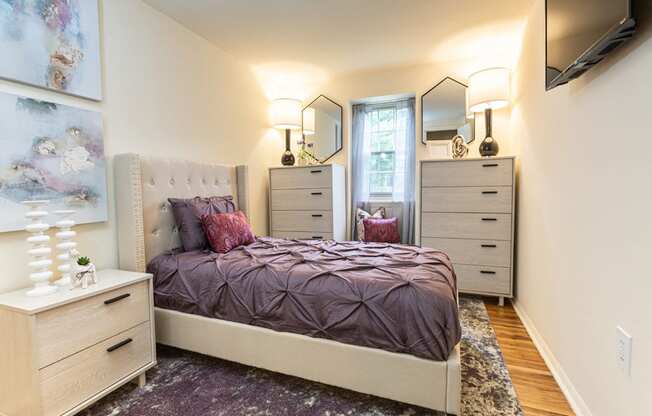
pixel 383 161
pixel 386 129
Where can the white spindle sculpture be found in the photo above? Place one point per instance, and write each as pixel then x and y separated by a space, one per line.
pixel 40 252
pixel 65 245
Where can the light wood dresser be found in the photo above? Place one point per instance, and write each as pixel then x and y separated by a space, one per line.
pixel 62 352
pixel 468 212
pixel 308 202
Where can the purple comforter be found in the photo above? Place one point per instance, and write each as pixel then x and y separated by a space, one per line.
pixel 393 297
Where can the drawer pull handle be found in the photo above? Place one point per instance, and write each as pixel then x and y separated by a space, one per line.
pixel 488 246
pixel 489 192
pixel 317 237
pixel 316 171
pixel 119 345
pixel 487 272
pixel 490 165
pixel 317 215
pixel 490 219
pixel 117 299
pixel 315 193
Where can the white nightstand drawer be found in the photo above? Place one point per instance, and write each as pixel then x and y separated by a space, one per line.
pixel 302 199
pixel 473 226
pixel 301 178
pixel 310 221
pixel 67 383
pixel 486 172
pixel 477 252
pixel 59 331
pixel 485 279
pixel 496 199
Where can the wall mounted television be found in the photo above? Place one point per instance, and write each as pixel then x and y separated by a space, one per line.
pixel 580 33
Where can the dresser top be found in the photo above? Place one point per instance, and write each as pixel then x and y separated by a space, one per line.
pixel 469 159
pixel 108 280
pixel 325 165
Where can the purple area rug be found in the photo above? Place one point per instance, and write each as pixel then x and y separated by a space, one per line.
pixel 186 383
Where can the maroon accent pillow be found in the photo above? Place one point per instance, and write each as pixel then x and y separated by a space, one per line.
pixel 381 230
pixel 227 231
pixel 187 215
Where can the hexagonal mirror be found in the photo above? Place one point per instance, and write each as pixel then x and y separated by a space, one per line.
pixel 444 114
pixel 322 128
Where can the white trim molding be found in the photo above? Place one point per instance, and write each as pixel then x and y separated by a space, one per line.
pixel 572 395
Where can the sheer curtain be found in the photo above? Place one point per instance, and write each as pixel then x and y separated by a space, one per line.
pixel 403 181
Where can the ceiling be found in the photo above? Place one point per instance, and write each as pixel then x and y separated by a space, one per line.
pixel 338 36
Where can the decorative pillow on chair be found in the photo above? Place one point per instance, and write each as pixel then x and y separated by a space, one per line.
pixel 227 231
pixel 360 215
pixel 378 230
pixel 188 212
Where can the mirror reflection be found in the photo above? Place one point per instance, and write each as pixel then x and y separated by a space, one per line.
pixel 444 113
pixel 322 128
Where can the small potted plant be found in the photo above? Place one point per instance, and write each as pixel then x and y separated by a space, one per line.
pixel 84 272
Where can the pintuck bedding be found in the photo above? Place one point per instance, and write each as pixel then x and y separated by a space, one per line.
pixel 393 297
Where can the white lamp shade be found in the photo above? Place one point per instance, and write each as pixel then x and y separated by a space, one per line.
pixel 309 121
pixel 286 113
pixel 489 89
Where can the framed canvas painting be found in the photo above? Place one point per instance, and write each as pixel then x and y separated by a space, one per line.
pixel 53 44
pixel 54 152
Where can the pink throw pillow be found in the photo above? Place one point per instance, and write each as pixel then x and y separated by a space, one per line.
pixel 227 231
pixel 384 230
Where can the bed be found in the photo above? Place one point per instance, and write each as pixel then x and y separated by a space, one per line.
pixel 404 363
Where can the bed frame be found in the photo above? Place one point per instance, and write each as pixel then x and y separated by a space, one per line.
pixel 146 228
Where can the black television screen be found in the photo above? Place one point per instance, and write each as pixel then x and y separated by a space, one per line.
pixel 579 33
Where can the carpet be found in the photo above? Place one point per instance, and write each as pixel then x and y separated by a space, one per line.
pixel 186 383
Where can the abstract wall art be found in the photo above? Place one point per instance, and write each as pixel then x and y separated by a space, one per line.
pixel 52 152
pixel 53 44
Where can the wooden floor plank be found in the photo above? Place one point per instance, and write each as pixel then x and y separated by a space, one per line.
pixel 535 386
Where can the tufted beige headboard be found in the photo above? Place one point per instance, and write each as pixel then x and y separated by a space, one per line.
pixel 146 226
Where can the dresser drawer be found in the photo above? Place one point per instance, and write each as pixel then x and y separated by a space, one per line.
pixel 301 178
pixel 57 330
pixel 302 199
pixel 299 235
pixel 67 383
pixel 310 221
pixel 490 172
pixel 496 199
pixel 478 252
pixel 485 279
pixel 473 226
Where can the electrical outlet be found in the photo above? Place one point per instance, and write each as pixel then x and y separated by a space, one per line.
pixel 624 350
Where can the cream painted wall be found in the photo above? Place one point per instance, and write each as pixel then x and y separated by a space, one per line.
pixel 414 80
pixel 585 234
pixel 168 93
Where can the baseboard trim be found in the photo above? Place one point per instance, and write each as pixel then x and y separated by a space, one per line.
pixel 574 399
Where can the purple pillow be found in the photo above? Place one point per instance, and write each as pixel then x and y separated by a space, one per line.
pixel 383 230
pixel 227 231
pixel 188 212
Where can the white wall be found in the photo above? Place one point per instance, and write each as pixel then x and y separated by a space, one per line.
pixel 585 228
pixel 415 80
pixel 170 93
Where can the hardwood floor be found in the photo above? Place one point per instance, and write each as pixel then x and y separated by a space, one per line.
pixel 535 387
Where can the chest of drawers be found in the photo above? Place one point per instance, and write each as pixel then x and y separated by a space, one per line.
pixel 308 202
pixel 468 211
pixel 71 348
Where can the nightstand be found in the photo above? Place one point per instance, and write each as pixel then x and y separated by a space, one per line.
pixel 62 352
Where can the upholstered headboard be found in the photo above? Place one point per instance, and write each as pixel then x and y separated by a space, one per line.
pixel 143 185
